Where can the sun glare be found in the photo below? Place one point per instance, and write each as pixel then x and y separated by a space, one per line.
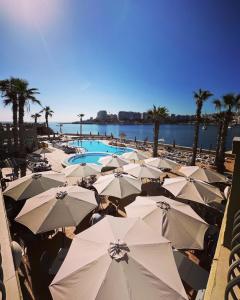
pixel 30 12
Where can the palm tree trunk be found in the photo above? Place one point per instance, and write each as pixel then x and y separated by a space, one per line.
pixel 218 143
pixel 196 134
pixel 15 124
pixel 46 118
pixel 155 139
pixel 21 128
pixel 35 120
pixel 222 147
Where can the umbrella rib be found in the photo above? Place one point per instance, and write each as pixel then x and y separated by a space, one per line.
pixel 47 214
pixel 58 282
pixel 160 279
pixel 26 187
pixel 29 212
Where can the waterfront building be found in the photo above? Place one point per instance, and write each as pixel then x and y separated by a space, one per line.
pixel 102 115
pixel 129 116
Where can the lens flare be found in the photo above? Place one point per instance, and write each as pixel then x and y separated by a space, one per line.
pixel 30 12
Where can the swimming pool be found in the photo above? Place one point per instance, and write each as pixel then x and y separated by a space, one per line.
pixel 99 146
pixel 94 151
pixel 85 158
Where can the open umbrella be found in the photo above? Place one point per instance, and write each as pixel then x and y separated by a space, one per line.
pixel 161 163
pixel 118 185
pixel 56 208
pixel 113 161
pixel 142 171
pixel 82 170
pixel 33 184
pixel 193 190
pixel 203 174
pixel 118 258
pixel 43 151
pixel 134 155
pixel 176 221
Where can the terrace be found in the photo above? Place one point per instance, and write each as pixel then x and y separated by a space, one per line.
pixel 190 261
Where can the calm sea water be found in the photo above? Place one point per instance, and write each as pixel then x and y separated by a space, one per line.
pixel 182 134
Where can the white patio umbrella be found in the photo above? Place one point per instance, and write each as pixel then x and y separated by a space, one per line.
pixel 134 155
pixel 176 221
pixel 56 208
pixel 160 163
pixel 193 190
pixel 113 161
pixel 33 184
pixel 118 185
pixel 118 258
pixel 43 151
pixel 82 170
pixel 203 174
pixel 142 171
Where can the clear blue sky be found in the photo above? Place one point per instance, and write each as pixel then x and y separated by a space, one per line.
pixel 87 55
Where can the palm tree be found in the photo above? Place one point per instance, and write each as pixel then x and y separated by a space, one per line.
pixel 200 97
pixel 9 94
pixel 219 116
pixel 80 116
pixel 230 101
pixel 35 117
pixel 157 114
pixel 25 97
pixel 48 113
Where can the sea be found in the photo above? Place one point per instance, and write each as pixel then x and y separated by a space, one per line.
pixel 181 134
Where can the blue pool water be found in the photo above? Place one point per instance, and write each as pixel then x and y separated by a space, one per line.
pixel 98 146
pixel 86 158
pixel 94 151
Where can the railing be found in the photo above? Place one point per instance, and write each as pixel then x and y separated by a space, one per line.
pixel 2 286
pixel 9 283
pixel 233 276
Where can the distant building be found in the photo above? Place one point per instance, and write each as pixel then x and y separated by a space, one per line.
pixel 112 117
pixel 145 116
pixel 102 115
pixel 129 116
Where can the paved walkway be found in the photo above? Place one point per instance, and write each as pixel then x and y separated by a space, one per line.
pixel 56 158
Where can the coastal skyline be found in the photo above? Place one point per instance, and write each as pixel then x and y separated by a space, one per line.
pixel 86 56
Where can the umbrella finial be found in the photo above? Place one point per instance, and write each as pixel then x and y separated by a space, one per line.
pixel 189 179
pixel 61 195
pixel 118 250
pixel 163 205
pixel 118 174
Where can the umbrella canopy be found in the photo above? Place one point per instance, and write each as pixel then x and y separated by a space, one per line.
pixel 33 184
pixel 113 161
pixel 176 221
pixel 128 261
pixel 57 207
pixel 134 155
pixel 194 190
pixel 161 163
pixel 142 171
pixel 43 151
pixel 82 170
pixel 118 185
pixel 203 174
